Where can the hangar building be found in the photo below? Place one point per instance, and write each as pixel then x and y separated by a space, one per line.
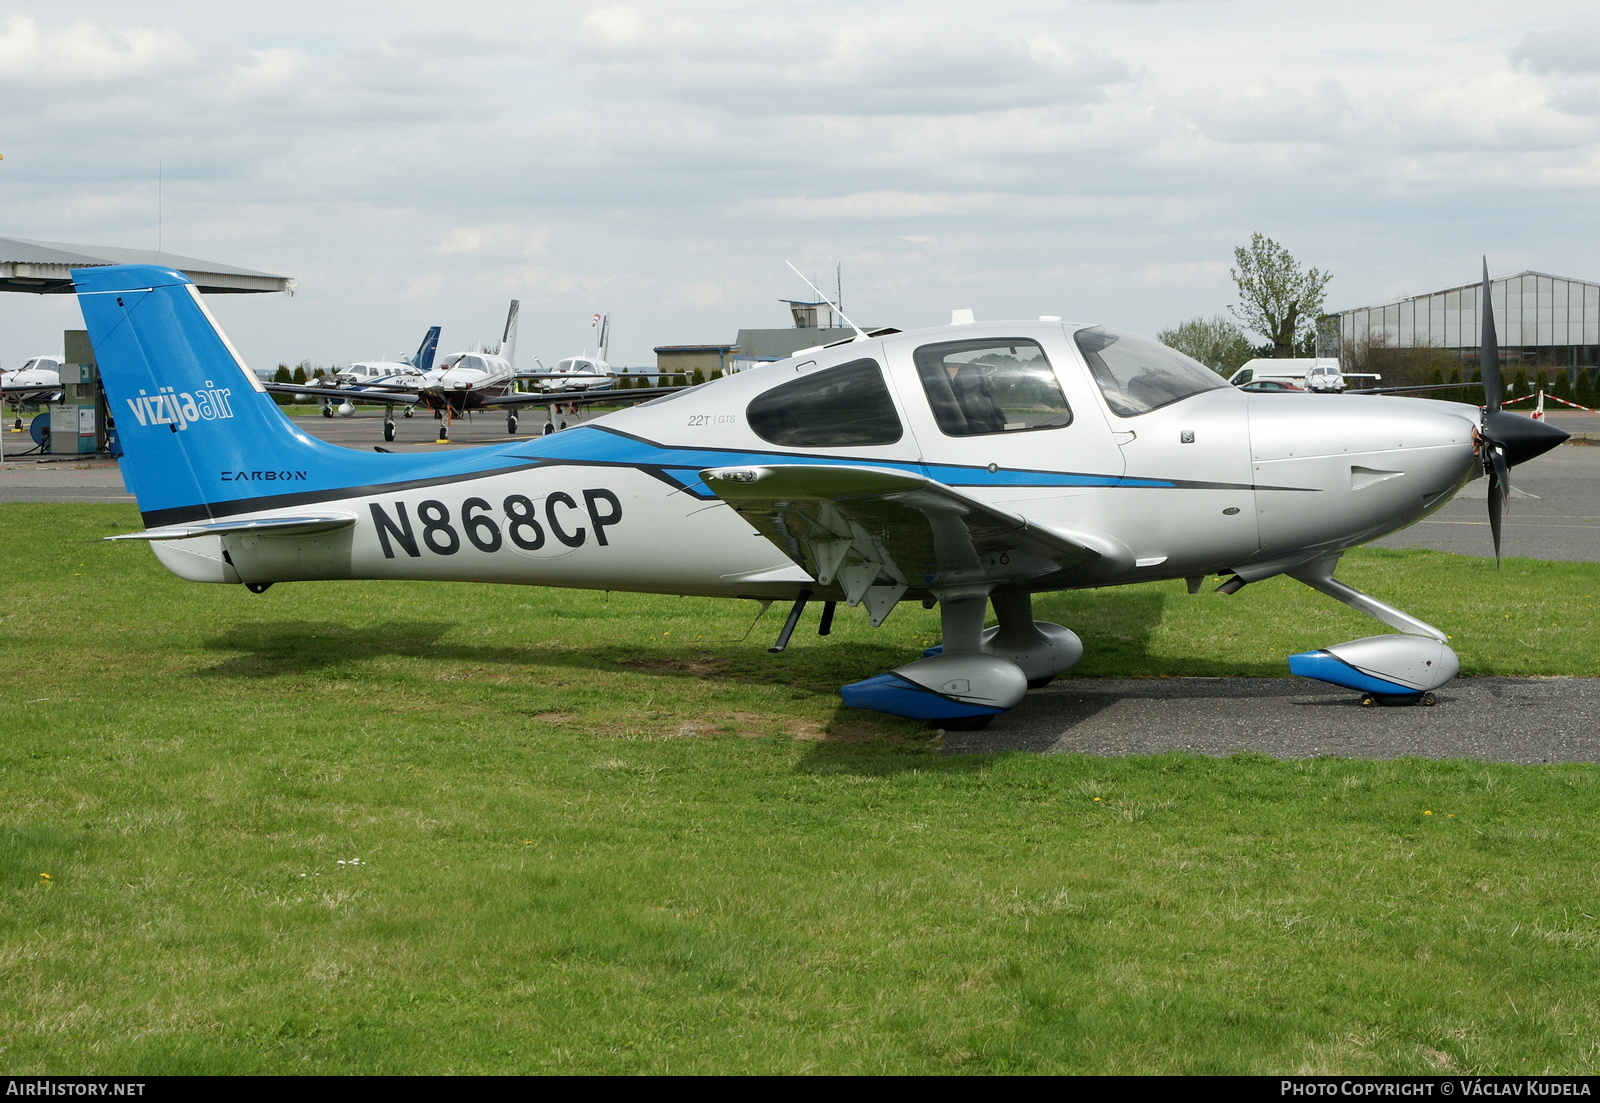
pixel 814 324
pixel 1545 321
pixel 45 268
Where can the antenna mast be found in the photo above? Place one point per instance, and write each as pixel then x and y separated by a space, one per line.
pixel 860 335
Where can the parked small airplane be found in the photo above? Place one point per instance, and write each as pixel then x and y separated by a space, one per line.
pixel 37 381
pixel 388 383
pixel 582 372
pixel 965 466
pixel 404 375
pixel 467 382
pixel 38 376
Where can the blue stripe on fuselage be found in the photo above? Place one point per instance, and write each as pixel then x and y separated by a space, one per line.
pixel 601 445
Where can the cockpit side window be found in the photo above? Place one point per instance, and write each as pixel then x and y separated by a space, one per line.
pixel 841 407
pixel 991 386
pixel 1138 375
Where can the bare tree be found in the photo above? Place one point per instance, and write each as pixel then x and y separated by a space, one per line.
pixel 1276 298
pixel 1216 342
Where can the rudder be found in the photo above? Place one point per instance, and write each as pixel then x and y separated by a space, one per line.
pixel 200 435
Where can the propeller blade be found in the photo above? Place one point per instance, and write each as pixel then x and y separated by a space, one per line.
pixel 1489 351
pixel 1499 494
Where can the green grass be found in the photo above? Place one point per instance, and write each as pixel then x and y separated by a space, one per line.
pixel 602 835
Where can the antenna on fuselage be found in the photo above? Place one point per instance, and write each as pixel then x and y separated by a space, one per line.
pixel 860 334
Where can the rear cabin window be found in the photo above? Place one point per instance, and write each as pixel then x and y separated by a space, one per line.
pixel 841 407
pixel 991 386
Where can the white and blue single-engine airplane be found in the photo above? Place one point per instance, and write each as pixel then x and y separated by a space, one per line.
pixel 969 466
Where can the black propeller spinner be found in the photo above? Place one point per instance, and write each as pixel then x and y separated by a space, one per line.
pixel 1505 439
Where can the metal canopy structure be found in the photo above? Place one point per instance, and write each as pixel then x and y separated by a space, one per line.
pixel 45 268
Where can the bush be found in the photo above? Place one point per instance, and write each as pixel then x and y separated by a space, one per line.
pixel 1519 386
pixel 1583 393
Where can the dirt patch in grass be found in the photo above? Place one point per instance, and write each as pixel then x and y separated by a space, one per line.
pixel 848 732
pixel 701 666
pixel 553 717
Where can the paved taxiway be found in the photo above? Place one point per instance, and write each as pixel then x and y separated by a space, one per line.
pixel 1527 720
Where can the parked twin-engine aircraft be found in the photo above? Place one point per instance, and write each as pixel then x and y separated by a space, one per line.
pixel 403 375
pixel 388 383
pixel 582 372
pixel 966 466
pixel 38 377
pixel 474 381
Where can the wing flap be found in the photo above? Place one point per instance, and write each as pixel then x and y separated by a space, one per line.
pixel 873 533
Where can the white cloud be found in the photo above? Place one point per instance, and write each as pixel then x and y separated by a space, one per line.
pixel 662 160
pixel 502 240
pixel 36 58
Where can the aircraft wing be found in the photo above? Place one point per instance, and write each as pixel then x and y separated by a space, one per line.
pixel 348 394
pixel 29 390
pixel 1422 387
pixel 875 533
pixel 581 398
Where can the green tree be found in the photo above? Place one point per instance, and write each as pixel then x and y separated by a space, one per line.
pixel 1216 342
pixel 1456 393
pixel 282 375
pixel 299 375
pixel 1277 299
pixel 1583 393
pixel 697 378
pixel 1519 386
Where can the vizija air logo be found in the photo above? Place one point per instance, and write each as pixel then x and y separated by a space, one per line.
pixel 180 408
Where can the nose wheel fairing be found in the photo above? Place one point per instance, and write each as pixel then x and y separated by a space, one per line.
pixel 1392 669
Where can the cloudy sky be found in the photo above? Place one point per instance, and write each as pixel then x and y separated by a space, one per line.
pixel 414 164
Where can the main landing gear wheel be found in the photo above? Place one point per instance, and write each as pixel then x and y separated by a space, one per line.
pixel 1040 683
pixel 327 410
pixel 388 430
pixel 511 424
pixel 548 428
pixel 408 413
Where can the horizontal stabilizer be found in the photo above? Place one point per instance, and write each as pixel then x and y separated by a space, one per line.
pixel 260 526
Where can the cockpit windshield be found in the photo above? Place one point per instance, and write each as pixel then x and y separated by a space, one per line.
pixel 1138 375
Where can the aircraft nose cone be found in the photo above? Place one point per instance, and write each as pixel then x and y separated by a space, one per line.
pixel 1522 438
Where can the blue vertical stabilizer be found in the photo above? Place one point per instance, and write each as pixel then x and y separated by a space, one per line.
pixel 200 436
pixel 422 359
